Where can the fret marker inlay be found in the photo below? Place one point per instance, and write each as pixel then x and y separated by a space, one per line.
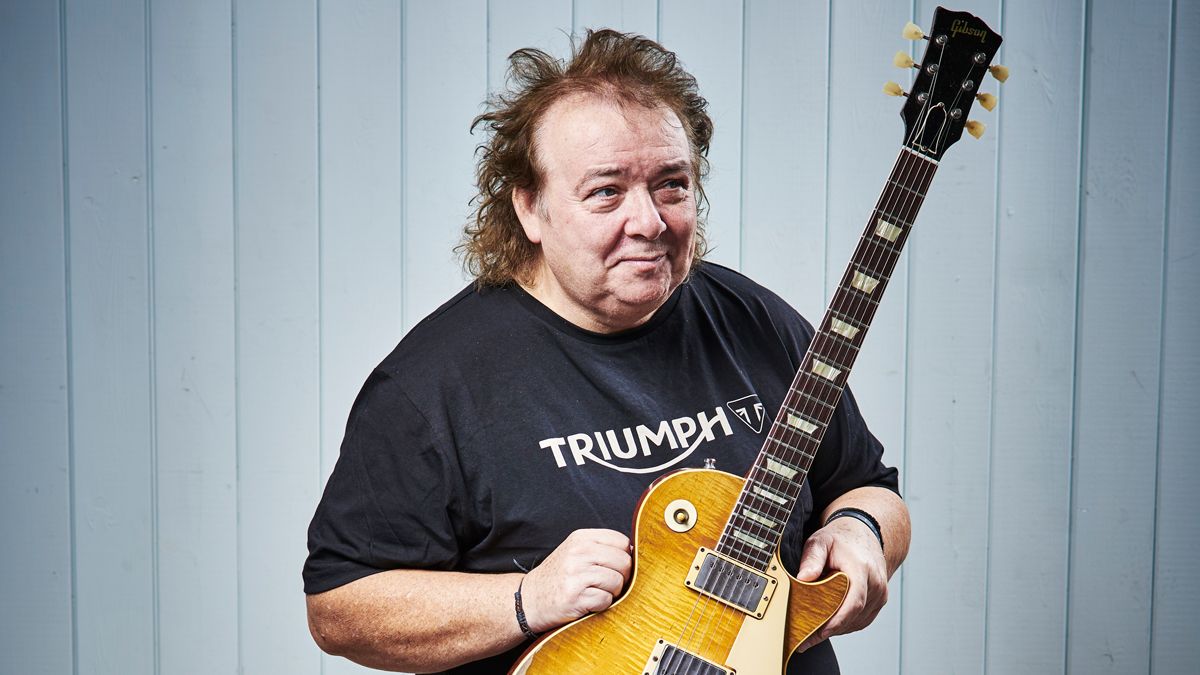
pixel 759 518
pixel 825 370
pixel 753 541
pixel 781 469
pixel 842 328
pixel 798 422
pixel 864 283
pixel 887 230
pixel 767 494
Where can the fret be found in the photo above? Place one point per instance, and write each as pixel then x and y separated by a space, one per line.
pixel 900 212
pixel 864 282
pixel 770 495
pixel 763 505
pixel 739 551
pixel 825 370
pixel 906 188
pixel 781 468
pixel 887 231
pixel 755 516
pixel 751 540
pixel 799 451
pixel 833 334
pixel 843 325
pixel 834 361
pixel 805 395
pixel 877 251
pixel 893 218
pixel 829 391
pixel 853 306
pixel 834 352
pixel 848 286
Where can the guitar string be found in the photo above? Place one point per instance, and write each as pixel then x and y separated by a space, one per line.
pixel 846 353
pixel 902 170
pixel 875 253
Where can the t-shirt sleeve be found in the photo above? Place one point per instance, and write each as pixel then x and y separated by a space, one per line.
pixel 390 500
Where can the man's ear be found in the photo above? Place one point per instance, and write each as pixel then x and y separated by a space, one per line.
pixel 524 202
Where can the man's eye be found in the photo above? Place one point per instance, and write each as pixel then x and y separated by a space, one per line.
pixel 605 192
pixel 675 184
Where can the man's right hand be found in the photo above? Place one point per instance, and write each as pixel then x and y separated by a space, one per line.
pixel 583 575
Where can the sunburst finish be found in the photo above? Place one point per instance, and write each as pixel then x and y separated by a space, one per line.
pixel 658 605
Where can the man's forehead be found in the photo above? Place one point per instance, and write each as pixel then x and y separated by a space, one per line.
pixel 575 127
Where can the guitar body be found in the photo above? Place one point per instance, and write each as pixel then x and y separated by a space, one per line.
pixel 660 605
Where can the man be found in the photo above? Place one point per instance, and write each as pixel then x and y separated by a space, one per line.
pixel 501 448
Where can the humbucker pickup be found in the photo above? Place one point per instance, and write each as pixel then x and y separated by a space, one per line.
pixel 671 660
pixel 731 582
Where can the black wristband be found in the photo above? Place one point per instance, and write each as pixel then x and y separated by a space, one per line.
pixel 861 516
pixel 521 620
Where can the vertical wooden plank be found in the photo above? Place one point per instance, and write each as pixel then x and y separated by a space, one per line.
pixel 864 135
pixel 36 628
pixel 1177 530
pixel 192 175
pixel 1112 542
pixel 783 174
pixel 627 16
pixel 441 97
pixel 516 24
pixel 360 200
pixel 1038 129
pixel 949 384
pixel 111 354
pixel 707 36
pixel 278 407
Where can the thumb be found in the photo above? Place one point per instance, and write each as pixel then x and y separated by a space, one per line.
pixel 812 561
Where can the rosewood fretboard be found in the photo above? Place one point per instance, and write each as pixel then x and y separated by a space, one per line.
pixel 774 482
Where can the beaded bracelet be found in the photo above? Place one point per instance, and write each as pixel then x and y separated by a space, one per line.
pixel 521 620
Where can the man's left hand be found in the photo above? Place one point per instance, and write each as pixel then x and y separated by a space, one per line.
pixel 847 545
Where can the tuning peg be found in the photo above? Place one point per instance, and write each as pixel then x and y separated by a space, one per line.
pixel 999 72
pixel 903 60
pixel 988 101
pixel 976 128
pixel 912 31
pixel 892 89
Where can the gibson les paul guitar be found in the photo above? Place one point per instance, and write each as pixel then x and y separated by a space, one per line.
pixel 708 595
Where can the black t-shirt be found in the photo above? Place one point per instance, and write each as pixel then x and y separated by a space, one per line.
pixel 496 428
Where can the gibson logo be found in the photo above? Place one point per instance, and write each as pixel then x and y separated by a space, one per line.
pixel 961 26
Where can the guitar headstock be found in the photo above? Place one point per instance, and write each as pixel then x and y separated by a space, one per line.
pixel 959 52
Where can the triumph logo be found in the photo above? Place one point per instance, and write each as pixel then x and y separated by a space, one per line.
pixel 613 448
pixel 749 410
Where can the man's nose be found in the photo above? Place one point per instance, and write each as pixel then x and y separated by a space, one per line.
pixel 642 218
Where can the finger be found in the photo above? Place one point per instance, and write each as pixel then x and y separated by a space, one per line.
pixel 595 600
pixel 605 537
pixel 812 561
pixel 607 580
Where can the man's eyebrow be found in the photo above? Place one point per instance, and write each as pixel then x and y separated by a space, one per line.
pixel 598 172
pixel 614 170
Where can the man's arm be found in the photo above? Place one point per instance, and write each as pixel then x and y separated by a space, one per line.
pixel 848 545
pixel 424 621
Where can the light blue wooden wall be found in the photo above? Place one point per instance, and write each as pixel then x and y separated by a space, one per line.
pixel 216 217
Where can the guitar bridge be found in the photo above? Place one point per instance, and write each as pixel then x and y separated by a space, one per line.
pixel 671 660
pixel 730 582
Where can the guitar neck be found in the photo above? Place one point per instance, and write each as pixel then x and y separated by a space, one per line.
pixel 773 484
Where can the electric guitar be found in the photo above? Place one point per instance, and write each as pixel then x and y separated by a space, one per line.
pixel 708 595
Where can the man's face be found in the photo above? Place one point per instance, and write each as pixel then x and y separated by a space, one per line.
pixel 616 217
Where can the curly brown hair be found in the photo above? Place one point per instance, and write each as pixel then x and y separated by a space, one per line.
pixel 625 68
